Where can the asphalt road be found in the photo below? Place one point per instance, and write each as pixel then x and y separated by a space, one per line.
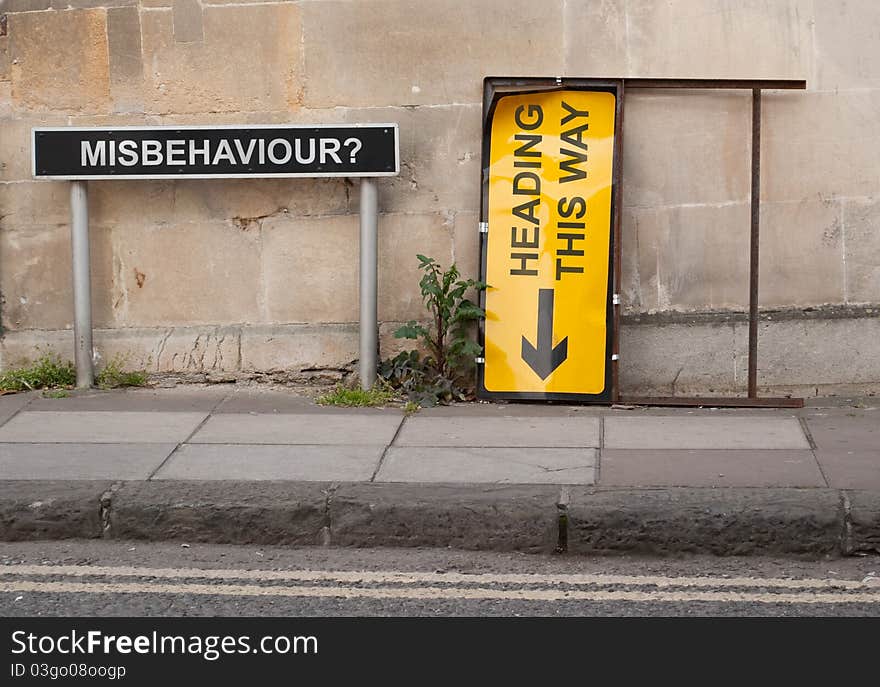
pixel 95 578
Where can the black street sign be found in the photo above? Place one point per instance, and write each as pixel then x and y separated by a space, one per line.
pixel 209 152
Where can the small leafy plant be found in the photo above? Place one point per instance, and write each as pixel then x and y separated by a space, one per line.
pixel 115 376
pixel 343 396
pixel 445 372
pixel 47 372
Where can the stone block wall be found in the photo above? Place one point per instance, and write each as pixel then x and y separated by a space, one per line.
pixel 242 276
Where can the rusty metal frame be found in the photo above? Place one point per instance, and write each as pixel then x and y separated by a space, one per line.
pixel 756 86
pixel 752 400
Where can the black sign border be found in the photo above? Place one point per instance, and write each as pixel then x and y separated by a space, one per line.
pixel 215 127
pixel 495 88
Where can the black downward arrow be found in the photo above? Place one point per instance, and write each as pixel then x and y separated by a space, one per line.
pixel 544 359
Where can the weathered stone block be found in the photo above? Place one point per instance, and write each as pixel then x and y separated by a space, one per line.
pixel 714 39
pixel 35 278
pixel 4 59
pixel 5 98
pixel 32 203
pixel 401 238
pixel 358 54
pixel 15 144
pixel 861 227
pixel 466 244
pixel 439 158
pixel 686 147
pixel 820 145
pixel 59 61
pixel 25 346
pixel 311 265
pixel 630 279
pixel 12 6
pixel 194 273
pixel 218 74
pixel 311 268
pixel 86 4
pixel 187 21
pixel 248 203
pixel 178 349
pixel 813 352
pixel 596 41
pixel 846 54
pixel 691 257
pixel 114 203
pixel 801 253
pixel 126 69
pixel 677 359
pixel 291 347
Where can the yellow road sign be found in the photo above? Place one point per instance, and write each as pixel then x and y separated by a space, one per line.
pixel 547 253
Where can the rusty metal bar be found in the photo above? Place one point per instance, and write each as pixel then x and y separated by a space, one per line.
pixel 719 84
pixel 713 402
pixel 754 239
pixel 746 84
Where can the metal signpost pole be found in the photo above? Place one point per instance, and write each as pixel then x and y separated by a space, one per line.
pixel 369 334
pixel 82 286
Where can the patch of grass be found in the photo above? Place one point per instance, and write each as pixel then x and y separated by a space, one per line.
pixel 47 372
pixel 343 396
pixel 411 407
pixel 58 393
pixel 115 376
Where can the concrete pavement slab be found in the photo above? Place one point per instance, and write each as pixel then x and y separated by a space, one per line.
pixel 10 404
pixel 272 462
pixel 557 432
pixel 854 469
pixel 682 432
pixel 708 468
pixel 845 429
pixel 326 429
pixel 493 518
pixel 488 465
pixel 51 509
pixel 234 512
pixel 100 427
pixel 81 461
pixel 133 400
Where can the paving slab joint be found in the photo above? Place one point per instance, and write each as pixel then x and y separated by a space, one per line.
pixel 846 536
pixel 106 503
pixel 562 519
pixel 863 522
pixel 326 530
